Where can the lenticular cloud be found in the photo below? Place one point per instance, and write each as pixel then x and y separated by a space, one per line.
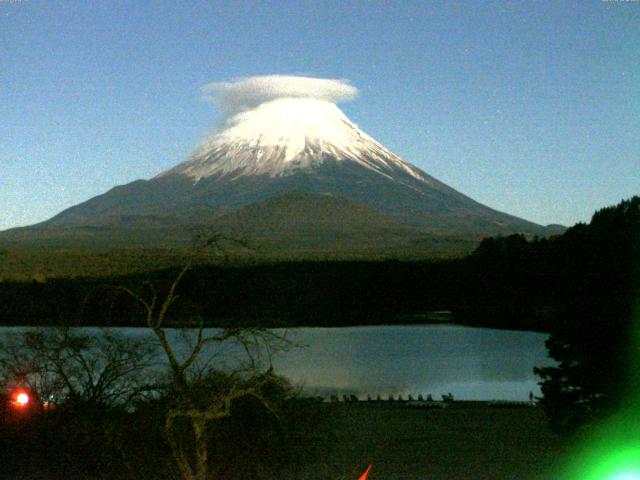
pixel 247 93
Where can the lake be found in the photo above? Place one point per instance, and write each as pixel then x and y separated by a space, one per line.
pixel 470 363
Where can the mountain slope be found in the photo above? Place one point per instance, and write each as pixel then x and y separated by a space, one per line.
pixel 346 183
pixel 421 203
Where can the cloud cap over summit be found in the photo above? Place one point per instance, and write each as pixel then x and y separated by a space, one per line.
pixel 249 92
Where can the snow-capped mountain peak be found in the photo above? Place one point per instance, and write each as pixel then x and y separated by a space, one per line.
pixel 288 167
pixel 287 123
pixel 285 135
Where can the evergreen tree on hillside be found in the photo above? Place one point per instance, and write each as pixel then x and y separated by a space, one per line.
pixel 592 341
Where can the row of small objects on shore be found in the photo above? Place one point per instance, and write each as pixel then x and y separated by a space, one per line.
pixel 391 398
pixel 421 401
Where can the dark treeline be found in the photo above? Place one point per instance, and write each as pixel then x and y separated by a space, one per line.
pixel 546 282
pixel 583 287
pixel 296 293
pixel 594 338
pixel 508 282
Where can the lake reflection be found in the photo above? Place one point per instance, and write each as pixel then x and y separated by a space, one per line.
pixel 470 363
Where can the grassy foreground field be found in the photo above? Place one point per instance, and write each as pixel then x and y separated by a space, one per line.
pixel 458 442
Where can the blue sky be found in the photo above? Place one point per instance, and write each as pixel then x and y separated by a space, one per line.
pixel 530 107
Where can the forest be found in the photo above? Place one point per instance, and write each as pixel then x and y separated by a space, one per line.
pixel 507 282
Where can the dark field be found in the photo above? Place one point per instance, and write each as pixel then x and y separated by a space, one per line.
pixel 458 442
pixel 327 441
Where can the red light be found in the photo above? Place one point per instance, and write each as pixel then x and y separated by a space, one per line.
pixel 364 475
pixel 21 399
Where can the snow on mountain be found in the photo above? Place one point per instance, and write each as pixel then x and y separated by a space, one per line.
pixel 288 165
pixel 283 136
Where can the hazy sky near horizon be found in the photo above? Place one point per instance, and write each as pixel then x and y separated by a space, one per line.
pixel 529 107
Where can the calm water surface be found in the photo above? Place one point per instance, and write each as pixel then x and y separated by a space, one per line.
pixel 470 363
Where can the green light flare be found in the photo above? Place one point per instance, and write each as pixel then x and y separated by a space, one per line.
pixel 627 476
pixel 611 450
pixel 617 465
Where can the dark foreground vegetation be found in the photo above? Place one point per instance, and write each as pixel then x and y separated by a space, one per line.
pixel 80 441
pixel 315 441
pixel 106 405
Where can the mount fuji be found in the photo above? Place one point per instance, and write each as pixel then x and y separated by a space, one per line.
pixel 288 168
